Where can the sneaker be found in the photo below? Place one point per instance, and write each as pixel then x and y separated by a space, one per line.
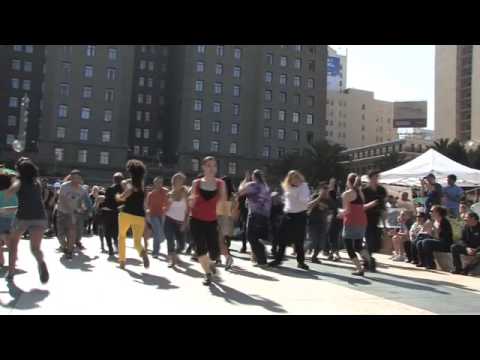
pixel 419 265
pixel 146 260
pixel 274 263
pixel 358 273
pixel 208 280
pixel 399 258
pixel 43 272
pixel 80 246
pixel 303 266
pixel 372 265
pixel 229 262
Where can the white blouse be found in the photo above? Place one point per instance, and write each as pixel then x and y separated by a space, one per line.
pixel 297 199
pixel 177 210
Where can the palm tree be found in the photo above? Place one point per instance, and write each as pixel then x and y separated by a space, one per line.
pixel 441 145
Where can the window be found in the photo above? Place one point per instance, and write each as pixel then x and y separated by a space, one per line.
pixel 219 69
pixel 220 50
pixel 281 134
pixel 267 114
pixel 90 50
pixel 201 49
pixel 214 145
pixel 296 99
pixel 62 111
pixel 282 115
pixel 111 74
pixel 27 66
pixel 59 154
pixel 269 58
pixel 18 48
pixel 235 129
pixel 140 98
pixel 195 165
pixel 309 119
pixel 297 64
pixel 88 71
pixel 87 92
pixel 283 61
pixel 61 132
pixel 283 97
pixel 67 50
pixel 233 148
pixel 197 124
pixel 85 114
pixel 136 150
pixel 196 145
pixel 236 90
pixel 12 120
pixel 198 105
pixel 107 116
pixel 283 79
pixel 298 48
pixel 310 101
pixel 138 133
pixel 237 72
pixel 237 53
pixel 266 152
pixel 13 102
pixel 143 64
pixel 139 116
pixel 281 152
pixel 16 65
pixel 150 82
pixel 310 83
pixel 151 65
pixel 141 81
pixel 147 116
pixel 146 134
pixel 200 66
pixel 82 156
pixel 295 117
pixel 10 139
pixel 232 168
pixel 104 157
pixel 236 109
pixel 267 132
pixel 217 107
pixel 295 135
pixel 64 89
pixel 148 99
pixel 112 54
pixel 15 83
pixel 296 81
pixel 311 66
pixel 217 88
pixel 268 95
pixel 268 77
pixel 83 134
pixel 27 85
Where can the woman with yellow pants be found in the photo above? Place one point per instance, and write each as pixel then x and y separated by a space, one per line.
pixel 133 214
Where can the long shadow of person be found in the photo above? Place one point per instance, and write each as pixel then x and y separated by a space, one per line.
pixel 407 285
pixel 79 262
pixel 233 296
pixel 22 300
pixel 186 269
pixel 236 270
pixel 151 280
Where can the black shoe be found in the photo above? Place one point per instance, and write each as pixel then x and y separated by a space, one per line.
pixel 419 265
pixel 218 262
pixel 243 250
pixel 358 273
pixel 372 265
pixel 315 260
pixel 43 272
pixel 208 280
pixel 431 267
pixel 274 263
pixel 303 266
pixel 146 261
pixel 69 255
pixel 10 276
pixel 457 272
pixel 111 252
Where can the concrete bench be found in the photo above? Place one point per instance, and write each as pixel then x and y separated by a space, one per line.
pixel 445 263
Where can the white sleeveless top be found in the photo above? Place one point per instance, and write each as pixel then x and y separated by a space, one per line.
pixel 177 210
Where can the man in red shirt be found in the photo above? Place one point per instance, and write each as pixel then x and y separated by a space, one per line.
pixel 157 201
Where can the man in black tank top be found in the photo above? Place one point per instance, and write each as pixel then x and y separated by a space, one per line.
pixel 110 213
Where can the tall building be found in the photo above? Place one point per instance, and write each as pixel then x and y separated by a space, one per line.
pixel 457 92
pixel 355 118
pixel 337 71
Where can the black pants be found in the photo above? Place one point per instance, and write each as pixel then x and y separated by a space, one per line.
pixel 457 250
pixel 110 225
pixel 334 228
pixel 257 230
pixel 373 235
pixel 426 248
pixel 353 246
pixel 275 223
pixel 173 233
pixel 205 238
pixel 293 230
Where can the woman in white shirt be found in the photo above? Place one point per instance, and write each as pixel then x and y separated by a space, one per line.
pixel 294 223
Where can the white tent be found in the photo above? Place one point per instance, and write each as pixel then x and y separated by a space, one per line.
pixel 431 162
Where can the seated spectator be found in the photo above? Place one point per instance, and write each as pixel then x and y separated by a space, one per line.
pixel 421 229
pixel 464 211
pixel 401 236
pixel 407 204
pixel 391 202
pixel 469 245
pixel 441 243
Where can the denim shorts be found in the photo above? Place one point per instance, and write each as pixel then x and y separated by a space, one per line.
pixel 5 225
pixel 20 225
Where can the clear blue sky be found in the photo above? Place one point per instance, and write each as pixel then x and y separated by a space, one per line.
pixel 393 72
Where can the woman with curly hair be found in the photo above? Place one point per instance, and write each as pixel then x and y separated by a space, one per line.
pixel 133 214
pixel 31 216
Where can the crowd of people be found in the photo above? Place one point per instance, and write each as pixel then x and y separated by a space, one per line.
pixel 200 219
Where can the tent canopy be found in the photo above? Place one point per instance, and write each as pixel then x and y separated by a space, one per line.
pixel 431 162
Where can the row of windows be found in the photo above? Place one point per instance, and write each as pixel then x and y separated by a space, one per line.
pixel 200 68
pixel 220 51
pixel 150 65
pixel 297 62
pixel 106 135
pixel 283 96
pixel 17 65
pixel 85 113
pixel 82 156
pixel 145 132
pixel 20 48
pixel 148 82
pixel 26 84
pixel 151 48
pixel 112 53
pixel 87 92
pixel 88 71
pixel 283 80
pixel 232 166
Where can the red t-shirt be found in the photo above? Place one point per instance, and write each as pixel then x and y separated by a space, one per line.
pixel 157 201
pixel 206 209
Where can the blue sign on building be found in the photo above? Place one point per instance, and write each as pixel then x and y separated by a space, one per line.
pixel 334 66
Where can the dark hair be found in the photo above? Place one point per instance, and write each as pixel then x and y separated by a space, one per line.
pixel 422 215
pixel 373 173
pixel 27 170
pixel 452 177
pixel 442 211
pixel 474 216
pixel 117 178
pixel 228 186
pixel 258 176
pixel 137 170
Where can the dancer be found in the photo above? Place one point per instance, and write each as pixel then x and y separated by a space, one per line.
pixel 133 214
pixel 242 205
pixel 156 203
pixel 31 216
pixel 176 218
pixel 335 223
pixel 293 228
pixel 206 193
pixel 8 208
pixel 259 208
pixel 355 223
pixel 98 228
pixel 225 223
pixel 110 213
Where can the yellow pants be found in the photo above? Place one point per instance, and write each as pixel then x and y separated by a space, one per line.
pixel 137 223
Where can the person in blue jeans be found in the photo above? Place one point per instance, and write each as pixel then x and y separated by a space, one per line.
pixel 156 204
pixel 452 194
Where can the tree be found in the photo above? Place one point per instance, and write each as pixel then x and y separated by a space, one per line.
pixel 456 151
pixel 390 161
pixel 441 145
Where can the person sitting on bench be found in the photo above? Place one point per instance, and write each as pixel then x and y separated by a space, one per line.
pixel 469 245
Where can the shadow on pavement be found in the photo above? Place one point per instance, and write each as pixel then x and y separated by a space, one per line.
pixel 80 261
pixel 233 296
pixel 152 280
pixel 4 270
pixel 187 270
pixel 24 300
pixel 236 270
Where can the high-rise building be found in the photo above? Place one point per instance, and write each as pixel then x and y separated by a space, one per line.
pixel 457 92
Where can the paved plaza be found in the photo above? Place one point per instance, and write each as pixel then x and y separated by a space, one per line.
pixel 90 284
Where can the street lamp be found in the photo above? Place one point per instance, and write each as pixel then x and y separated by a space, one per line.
pixel 19 144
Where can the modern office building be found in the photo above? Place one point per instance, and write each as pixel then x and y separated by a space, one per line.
pixel 457 92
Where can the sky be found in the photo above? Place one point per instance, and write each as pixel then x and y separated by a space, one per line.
pixel 393 72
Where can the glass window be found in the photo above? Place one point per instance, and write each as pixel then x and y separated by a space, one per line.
pixel 148 99
pixel 235 129
pixel 237 72
pixel 283 79
pixel 295 117
pixel 268 76
pixel 295 135
pixel 197 124
pixel 84 134
pixel 108 115
pixel 236 90
pixel 141 81
pixel 82 156
pixel 87 92
pixel 88 71
pixel 267 114
pixel 150 82
pixel 268 95
pixel 196 145
pixel 201 49
pixel 90 50
pixel 146 133
pixel 10 139
pixel 310 83
pixel 233 148
pixel 15 83
pixel 139 115
pixel 147 116
pixel 104 157
pixel 267 132
pixel 16 64
pixel 220 50
pixel 309 119
pixel 64 89
pixel 283 61
pixel 282 115
pixel 266 152
pixel 217 107
pixel 214 146
pixel 61 132
pixel 62 111
pixel 13 102
pixel 12 120
pixel 151 65
pixel 310 101
pixel 27 85
pixel 269 58
pixel 136 150
pixel 236 109
pixel 112 54
pixel 59 154
pixel 296 81
pixel 311 65
pixel 219 69
pixel 85 114
pixel 283 97
pixel 111 74
pixel 143 64
pixel 138 133
pixel 296 99
pixel 200 66
pixel 237 53
pixel 281 152
pixel 297 64
pixel 217 88
pixel 195 165
pixel 215 127
pixel 281 134
pixel 198 105
pixel 232 168
pixel 298 48
pixel 27 66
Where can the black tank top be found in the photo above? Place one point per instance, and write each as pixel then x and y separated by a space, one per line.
pixel 135 204
pixel 30 202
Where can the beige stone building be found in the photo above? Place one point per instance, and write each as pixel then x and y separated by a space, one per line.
pixel 457 92
pixel 355 118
